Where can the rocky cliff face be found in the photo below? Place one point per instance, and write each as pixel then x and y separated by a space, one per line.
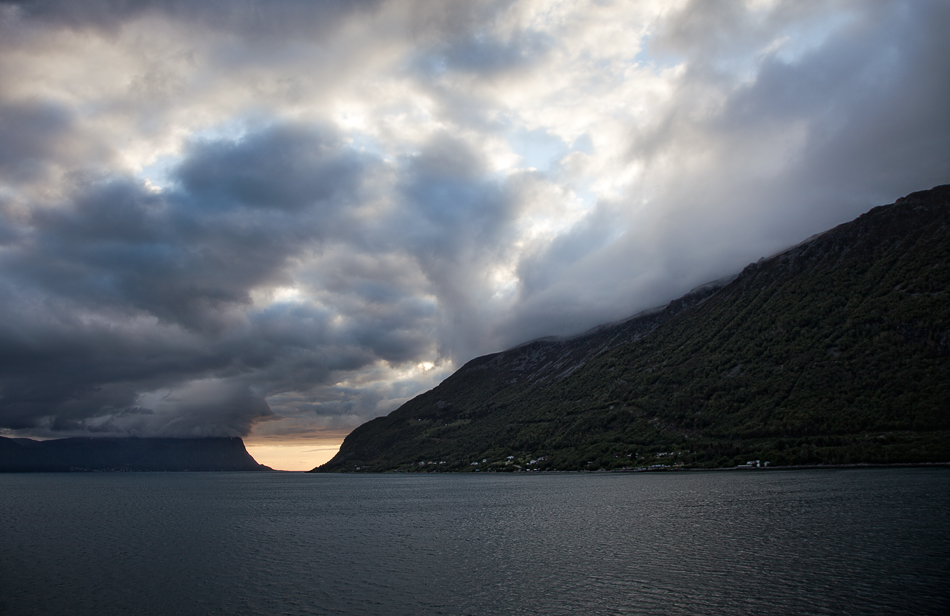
pixel 834 351
pixel 126 454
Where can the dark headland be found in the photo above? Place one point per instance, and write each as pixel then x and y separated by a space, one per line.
pixel 126 454
pixel 836 351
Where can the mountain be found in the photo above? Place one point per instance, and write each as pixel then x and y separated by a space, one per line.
pixel 834 351
pixel 126 454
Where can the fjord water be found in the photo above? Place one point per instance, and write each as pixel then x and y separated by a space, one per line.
pixel 863 541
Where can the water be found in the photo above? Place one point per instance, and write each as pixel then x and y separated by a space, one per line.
pixel 779 542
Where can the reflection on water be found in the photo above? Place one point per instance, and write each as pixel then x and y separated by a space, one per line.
pixel 780 542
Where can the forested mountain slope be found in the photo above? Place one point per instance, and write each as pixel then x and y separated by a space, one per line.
pixel 834 351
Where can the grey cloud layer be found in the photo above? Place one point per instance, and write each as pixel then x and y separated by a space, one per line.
pixel 256 18
pixel 743 169
pixel 121 290
pixel 285 270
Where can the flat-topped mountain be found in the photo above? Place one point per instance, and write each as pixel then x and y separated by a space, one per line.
pixel 834 351
pixel 126 454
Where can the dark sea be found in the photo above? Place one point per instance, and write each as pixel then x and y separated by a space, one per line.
pixel 862 541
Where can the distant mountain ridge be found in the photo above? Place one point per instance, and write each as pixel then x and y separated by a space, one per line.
pixel 126 454
pixel 836 350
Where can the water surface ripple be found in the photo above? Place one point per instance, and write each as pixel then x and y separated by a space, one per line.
pixel 868 541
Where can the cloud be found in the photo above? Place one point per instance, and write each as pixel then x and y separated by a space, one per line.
pixel 190 254
pixel 290 217
pixel 283 168
pixel 28 135
pixel 745 156
pixel 122 290
pixel 253 18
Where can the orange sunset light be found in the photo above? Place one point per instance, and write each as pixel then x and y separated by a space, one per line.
pixel 294 455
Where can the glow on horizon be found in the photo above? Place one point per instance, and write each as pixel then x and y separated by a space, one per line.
pixel 294 455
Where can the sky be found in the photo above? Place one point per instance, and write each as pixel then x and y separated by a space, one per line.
pixel 281 219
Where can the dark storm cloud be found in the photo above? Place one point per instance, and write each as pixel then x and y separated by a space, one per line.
pixel 186 255
pixel 122 290
pixel 284 168
pixel 121 247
